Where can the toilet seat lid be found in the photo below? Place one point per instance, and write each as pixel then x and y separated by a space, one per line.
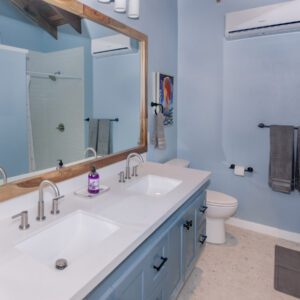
pixel 220 199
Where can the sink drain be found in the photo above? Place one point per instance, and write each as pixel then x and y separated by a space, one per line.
pixel 61 264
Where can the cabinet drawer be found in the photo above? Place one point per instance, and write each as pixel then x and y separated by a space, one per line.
pixel 155 267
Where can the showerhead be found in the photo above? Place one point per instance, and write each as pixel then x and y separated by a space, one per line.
pixel 52 77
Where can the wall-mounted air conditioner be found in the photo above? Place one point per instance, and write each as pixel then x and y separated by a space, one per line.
pixel 270 19
pixel 117 44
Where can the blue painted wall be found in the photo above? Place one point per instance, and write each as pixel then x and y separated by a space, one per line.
pixel 225 89
pixel 13 128
pixel 158 19
pixel 19 34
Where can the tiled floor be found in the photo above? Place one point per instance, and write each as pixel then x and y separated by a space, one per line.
pixel 242 269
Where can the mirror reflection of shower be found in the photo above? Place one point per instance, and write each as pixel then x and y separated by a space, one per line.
pixel 56 96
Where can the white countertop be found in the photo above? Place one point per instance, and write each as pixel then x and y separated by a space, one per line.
pixel 138 216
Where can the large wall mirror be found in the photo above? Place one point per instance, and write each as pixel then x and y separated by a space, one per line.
pixel 71 79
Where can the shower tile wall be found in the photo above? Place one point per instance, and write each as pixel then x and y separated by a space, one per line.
pixel 55 102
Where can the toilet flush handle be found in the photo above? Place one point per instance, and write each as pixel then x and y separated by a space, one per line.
pixel 203 209
pixel 204 237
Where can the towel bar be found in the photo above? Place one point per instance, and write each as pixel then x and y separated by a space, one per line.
pixel 112 120
pixel 262 125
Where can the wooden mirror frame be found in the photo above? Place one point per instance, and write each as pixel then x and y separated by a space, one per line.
pixel 31 183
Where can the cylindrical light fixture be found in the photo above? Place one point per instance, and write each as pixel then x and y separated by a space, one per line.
pixel 134 9
pixel 120 6
pixel 104 1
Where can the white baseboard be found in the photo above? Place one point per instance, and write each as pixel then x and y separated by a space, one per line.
pixel 264 229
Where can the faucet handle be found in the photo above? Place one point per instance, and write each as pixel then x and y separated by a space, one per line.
pixel 122 177
pixel 59 197
pixel 134 171
pixel 55 210
pixel 24 219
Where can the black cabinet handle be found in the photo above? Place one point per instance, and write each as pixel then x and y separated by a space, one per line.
pixel 203 209
pixel 203 239
pixel 188 224
pixel 164 260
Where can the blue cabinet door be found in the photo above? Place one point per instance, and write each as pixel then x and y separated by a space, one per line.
pixel 131 288
pixel 159 292
pixel 201 222
pixel 156 266
pixel 188 241
pixel 175 261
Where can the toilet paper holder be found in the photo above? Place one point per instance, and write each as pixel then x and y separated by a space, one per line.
pixel 249 169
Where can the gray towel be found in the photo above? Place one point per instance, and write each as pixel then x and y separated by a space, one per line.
pixel 104 143
pixel 93 133
pixel 281 167
pixel 158 137
pixel 297 173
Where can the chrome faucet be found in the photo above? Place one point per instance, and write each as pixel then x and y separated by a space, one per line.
pixel 127 170
pixel 4 176
pixel 90 149
pixel 41 204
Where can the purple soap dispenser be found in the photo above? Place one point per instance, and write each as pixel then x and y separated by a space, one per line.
pixel 93 181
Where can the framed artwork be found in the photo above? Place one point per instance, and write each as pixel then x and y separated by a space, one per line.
pixel 165 95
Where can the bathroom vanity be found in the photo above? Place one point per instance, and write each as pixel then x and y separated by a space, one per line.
pixel 128 243
pixel 159 267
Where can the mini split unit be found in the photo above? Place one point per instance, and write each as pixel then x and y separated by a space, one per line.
pixel 264 20
pixel 117 44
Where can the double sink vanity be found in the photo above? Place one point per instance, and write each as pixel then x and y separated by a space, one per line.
pixel 137 241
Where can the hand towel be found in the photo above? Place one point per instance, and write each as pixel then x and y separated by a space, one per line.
pixel 281 167
pixel 297 173
pixel 158 137
pixel 104 137
pixel 93 133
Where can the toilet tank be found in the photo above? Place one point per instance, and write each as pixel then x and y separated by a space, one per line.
pixel 179 163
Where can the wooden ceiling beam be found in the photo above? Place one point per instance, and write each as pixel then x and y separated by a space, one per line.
pixel 73 20
pixel 30 9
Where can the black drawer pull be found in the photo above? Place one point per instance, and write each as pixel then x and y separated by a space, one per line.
pixel 164 260
pixel 188 224
pixel 203 209
pixel 204 237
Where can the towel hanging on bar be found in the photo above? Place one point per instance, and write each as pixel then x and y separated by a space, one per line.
pixel 281 167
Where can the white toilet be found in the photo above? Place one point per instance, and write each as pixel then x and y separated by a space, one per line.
pixel 219 208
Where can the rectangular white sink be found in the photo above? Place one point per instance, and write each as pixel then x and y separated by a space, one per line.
pixel 153 185
pixel 72 238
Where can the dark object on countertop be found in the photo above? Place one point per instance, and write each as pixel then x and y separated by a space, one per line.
pixel 281 166
pixel 287 271
pixel 297 171
pixel 60 164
